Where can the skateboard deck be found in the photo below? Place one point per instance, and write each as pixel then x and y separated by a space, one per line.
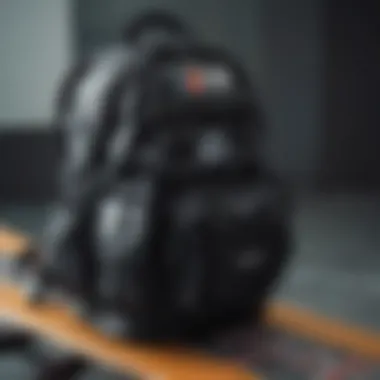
pixel 293 343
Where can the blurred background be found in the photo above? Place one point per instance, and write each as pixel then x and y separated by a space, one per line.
pixel 315 66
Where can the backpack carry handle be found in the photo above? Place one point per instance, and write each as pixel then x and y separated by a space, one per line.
pixel 155 21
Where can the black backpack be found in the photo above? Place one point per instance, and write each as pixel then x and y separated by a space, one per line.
pixel 168 225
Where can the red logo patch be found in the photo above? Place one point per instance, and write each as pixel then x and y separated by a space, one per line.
pixel 194 81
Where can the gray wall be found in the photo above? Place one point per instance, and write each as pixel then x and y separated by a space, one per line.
pixel 351 150
pixel 293 54
pixel 35 47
